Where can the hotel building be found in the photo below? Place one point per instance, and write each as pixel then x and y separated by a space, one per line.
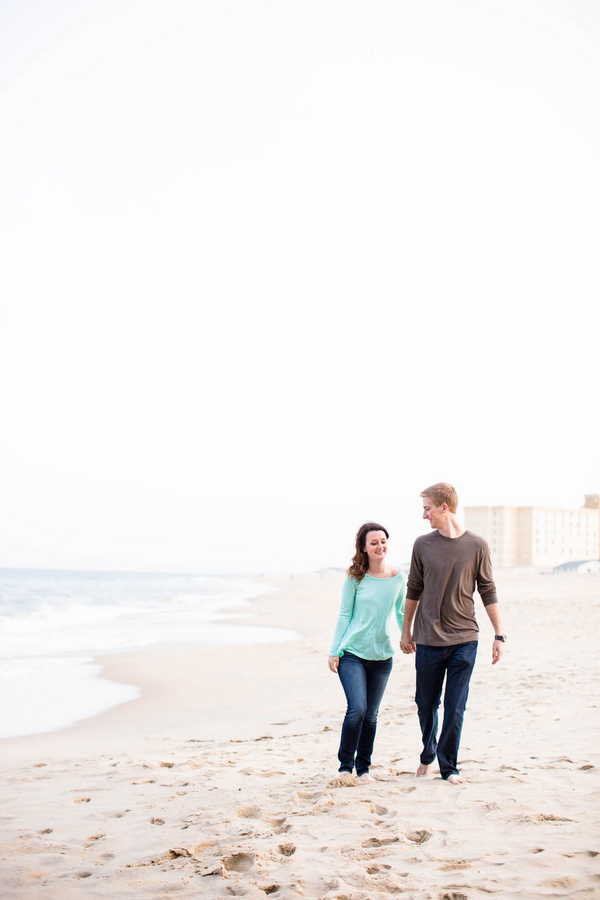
pixel 536 536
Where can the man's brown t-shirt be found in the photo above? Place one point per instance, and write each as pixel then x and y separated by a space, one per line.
pixel 443 575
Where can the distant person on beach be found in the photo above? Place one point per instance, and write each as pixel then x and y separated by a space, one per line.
pixel 446 566
pixel 361 651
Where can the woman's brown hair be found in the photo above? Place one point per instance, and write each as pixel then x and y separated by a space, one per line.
pixel 360 560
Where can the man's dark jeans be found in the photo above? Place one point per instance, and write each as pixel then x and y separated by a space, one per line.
pixel 455 663
pixel 364 682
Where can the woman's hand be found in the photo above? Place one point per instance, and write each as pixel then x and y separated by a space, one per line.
pixel 333 663
pixel 407 645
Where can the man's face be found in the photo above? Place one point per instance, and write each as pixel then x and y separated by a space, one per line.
pixel 434 514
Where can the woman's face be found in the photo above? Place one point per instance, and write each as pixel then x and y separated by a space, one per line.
pixel 375 545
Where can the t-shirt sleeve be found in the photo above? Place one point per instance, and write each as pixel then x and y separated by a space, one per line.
pixel 485 578
pixel 346 610
pixel 415 576
pixel 399 605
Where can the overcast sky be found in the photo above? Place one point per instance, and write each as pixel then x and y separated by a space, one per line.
pixel 271 268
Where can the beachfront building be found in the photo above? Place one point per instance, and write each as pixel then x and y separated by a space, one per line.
pixel 579 567
pixel 537 536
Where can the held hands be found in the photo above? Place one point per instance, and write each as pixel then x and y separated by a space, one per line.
pixel 333 663
pixel 407 645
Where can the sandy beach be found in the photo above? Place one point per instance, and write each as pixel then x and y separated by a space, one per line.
pixel 219 780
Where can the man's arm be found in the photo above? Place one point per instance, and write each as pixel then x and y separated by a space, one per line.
pixel 493 611
pixel 407 645
pixel 487 592
pixel 414 589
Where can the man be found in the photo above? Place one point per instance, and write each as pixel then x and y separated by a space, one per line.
pixel 446 566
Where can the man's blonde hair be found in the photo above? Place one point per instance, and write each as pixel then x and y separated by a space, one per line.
pixel 440 493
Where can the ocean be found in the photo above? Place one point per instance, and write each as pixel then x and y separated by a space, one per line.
pixel 53 624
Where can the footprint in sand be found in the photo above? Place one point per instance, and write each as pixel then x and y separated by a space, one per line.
pixel 564 883
pixel 393 885
pixel 379 842
pixel 177 852
pixel 310 795
pixel 455 865
pixel 380 810
pixel 541 817
pixel 287 849
pixel 249 812
pixel 239 862
pixel 419 837
pixel 279 824
pixel 157 821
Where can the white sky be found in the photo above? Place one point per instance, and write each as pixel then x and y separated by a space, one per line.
pixel 271 268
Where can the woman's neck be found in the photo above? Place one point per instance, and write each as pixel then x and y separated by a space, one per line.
pixel 378 568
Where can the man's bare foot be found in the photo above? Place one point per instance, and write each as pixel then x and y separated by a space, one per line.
pixel 366 777
pixel 424 769
pixel 455 779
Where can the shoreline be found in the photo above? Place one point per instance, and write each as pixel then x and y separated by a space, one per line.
pixel 80 679
pixel 218 779
pixel 152 671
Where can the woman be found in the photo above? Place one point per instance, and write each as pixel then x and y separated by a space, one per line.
pixel 361 651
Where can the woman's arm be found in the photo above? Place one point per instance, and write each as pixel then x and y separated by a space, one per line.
pixel 346 610
pixel 399 605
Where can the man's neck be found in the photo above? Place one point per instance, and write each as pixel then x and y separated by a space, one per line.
pixel 452 527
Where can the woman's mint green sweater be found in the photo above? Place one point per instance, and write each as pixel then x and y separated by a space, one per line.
pixel 363 626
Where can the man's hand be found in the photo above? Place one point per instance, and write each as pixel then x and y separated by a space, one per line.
pixel 333 663
pixel 497 651
pixel 407 645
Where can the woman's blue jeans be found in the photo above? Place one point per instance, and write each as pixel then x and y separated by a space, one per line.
pixel 433 664
pixel 364 682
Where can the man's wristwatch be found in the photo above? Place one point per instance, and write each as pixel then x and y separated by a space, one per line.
pixel 500 637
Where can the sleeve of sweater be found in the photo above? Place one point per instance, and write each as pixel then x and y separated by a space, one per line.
pixel 415 575
pixel 485 578
pixel 346 610
pixel 399 606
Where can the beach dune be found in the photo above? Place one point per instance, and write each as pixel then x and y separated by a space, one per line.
pixel 219 780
